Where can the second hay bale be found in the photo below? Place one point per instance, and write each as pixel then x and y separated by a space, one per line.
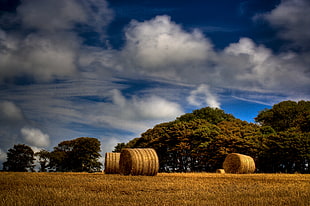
pixel 239 164
pixel 139 161
pixel 111 164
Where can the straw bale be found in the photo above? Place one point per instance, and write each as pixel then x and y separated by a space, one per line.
pixel 111 164
pixel 221 171
pixel 239 164
pixel 139 161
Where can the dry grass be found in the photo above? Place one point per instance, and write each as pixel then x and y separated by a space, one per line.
pixel 111 163
pixel 139 161
pixel 239 164
pixel 164 189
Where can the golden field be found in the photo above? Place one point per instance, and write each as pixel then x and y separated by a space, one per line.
pixel 164 189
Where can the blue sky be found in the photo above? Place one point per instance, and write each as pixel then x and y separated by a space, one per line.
pixel 112 69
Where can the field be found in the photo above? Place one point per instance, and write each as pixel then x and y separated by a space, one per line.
pixel 164 189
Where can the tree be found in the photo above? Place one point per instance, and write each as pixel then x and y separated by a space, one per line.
pixel 285 115
pixel 78 155
pixel 287 152
pixel 119 147
pixel 20 158
pixel 198 141
pixel 44 157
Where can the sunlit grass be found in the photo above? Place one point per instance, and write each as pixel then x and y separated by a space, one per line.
pixel 163 189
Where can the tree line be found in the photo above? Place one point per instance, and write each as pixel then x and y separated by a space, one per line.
pixel 77 155
pixel 279 141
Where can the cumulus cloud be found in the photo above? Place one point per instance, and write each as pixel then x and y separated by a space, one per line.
pixel 161 45
pixel 36 14
pixel 203 96
pixel 246 66
pixel 152 107
pixel 35 137
pixel 291 17
pixel 161 49
pixel 48 45
pixel 15 129
pixel 134 114
pixel 40 56
pixel 9 111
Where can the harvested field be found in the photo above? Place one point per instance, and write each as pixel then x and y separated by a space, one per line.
pixel 163 189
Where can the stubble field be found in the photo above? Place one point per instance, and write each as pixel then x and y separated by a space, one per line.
pixel 163 189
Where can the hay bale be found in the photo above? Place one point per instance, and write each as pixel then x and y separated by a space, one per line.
pixel 111 164
pixel 239 164
pixel 139 161
pixel 221 171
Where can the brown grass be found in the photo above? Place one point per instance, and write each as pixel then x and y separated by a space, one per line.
pixel 139 161
pixel 48 189
pixel 111 163
pixel 239 164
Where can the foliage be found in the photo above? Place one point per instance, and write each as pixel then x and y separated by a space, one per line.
pixel 119 147
pixel 286 115
pixel 77 155
pixel 44 157
pixel 200 141
pixel 20 158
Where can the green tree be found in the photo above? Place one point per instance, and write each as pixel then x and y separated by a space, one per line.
pixel 287 152
pixel 212 115
pixel 44 158
pixel 77 155
pixel 200 141
pixel 182 145
pixel 119 147
pixel 286 115
pixel 20 158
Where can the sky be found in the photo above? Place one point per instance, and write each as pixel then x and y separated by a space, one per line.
pixel 111 69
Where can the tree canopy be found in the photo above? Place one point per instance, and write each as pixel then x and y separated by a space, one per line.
pixel 77 155
pixel 200 141
pixel 20 158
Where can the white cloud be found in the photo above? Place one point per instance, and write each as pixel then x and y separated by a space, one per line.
pixel 2 156
pixel 291 17
pixel 51 47
pixel 159 45
pixel 155 107
pixel 35 137
pixel 161 49
pixel 202 95
pixel 109 144
pixel 41 56
pixel 246 66
pixel 36 14
pixel 10 111
pixel 147 108
pixel 135 114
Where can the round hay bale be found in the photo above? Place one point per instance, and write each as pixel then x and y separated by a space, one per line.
pixel 221 171
pixel 111 164
pixel 239 164
pixel 139 161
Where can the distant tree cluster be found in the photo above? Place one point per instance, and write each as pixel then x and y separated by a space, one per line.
pixel 78 155
pixel 200 141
